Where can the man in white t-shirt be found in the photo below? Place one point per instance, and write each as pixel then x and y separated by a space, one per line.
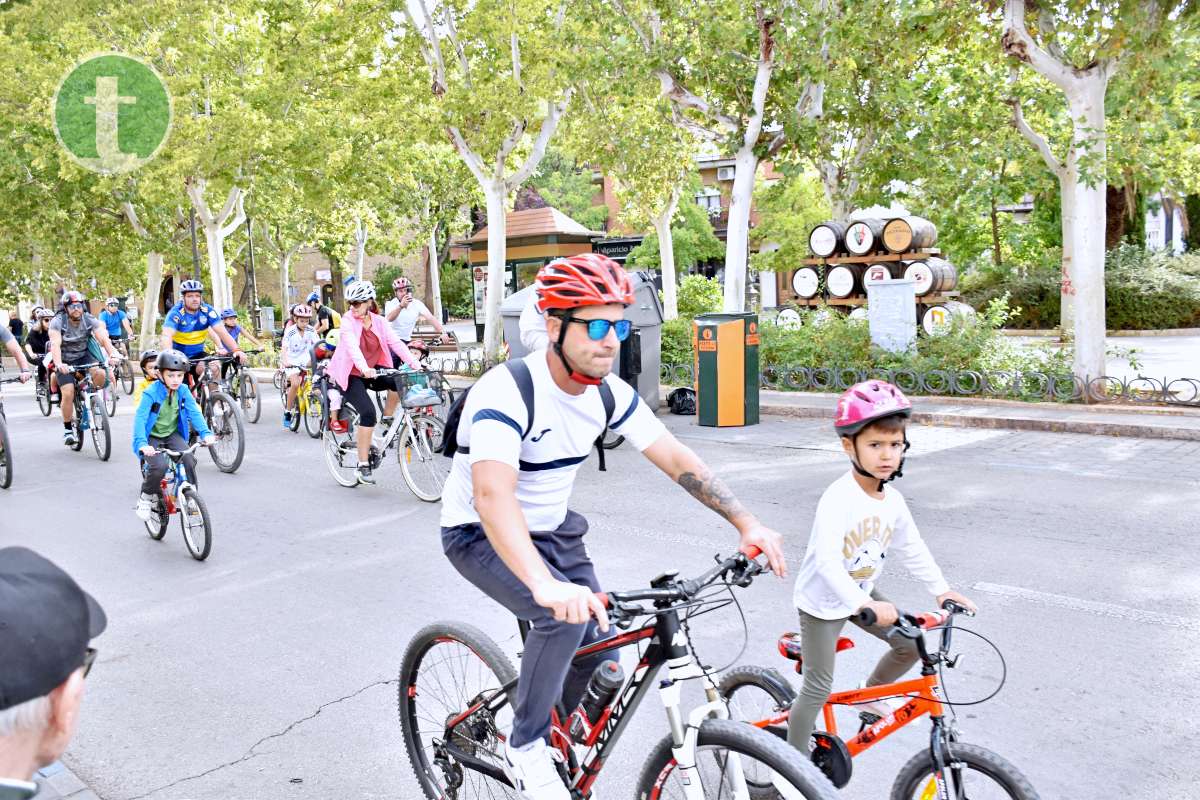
pixel 404 311
pixel 505 522
pixel 532 325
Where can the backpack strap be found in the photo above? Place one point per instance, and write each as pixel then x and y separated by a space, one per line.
pixel 610 408
pixel 524 380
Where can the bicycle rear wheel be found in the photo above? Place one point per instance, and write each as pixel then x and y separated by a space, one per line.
pixel 425 470
pixel 6 467
pixel 755 694
pixel 248 396
pixel 101 432
pixel 341 457
pixel 726 752
pixel 974 772
pixel 448 668
pixel 193 518
pixel 314 413
pixel 42 391
pixel 225 420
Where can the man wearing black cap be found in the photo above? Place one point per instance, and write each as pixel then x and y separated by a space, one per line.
pixel 46 622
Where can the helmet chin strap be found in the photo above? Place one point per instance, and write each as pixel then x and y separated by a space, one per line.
pixel 572 373
pixel 899 473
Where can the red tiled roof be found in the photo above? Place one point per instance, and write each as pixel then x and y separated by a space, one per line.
pixel 538 222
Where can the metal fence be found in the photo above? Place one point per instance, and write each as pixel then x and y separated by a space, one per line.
pixel 1013 385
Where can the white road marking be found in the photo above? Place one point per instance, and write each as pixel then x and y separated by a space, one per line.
pixel 1088 606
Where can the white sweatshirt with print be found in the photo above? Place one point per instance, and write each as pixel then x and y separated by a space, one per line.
pixel 852 536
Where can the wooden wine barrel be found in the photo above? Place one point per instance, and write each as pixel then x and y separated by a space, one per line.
pixel 864 236
pixel 859 313
pixel 806 282
pixel 939 319
pixel 826 239
pixel 844 280
pixel 931 276
pixel 905 234
pixel 881 273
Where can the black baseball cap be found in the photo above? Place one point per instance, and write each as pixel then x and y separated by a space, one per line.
pixel 46 622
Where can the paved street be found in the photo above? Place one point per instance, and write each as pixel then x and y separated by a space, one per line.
pixel 269 671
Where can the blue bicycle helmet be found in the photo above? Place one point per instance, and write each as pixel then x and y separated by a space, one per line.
pixel 229 313
pixel 191 286
pixel 312 296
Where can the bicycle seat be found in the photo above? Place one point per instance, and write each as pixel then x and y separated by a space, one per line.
pixel 789 646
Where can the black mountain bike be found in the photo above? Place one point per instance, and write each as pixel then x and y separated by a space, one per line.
pixel 223 415
pixel 457 687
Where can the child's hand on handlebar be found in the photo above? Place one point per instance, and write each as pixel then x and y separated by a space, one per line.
pixel 958 598
pixel 886 614
pixel 209 440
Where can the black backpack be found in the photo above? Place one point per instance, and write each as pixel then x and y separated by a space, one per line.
pixel 520 373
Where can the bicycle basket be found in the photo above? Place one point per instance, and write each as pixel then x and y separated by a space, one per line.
pixel 419 389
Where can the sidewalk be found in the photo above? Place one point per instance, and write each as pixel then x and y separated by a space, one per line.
pixel 1149 422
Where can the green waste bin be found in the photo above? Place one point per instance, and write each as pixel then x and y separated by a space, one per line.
pixel 726 348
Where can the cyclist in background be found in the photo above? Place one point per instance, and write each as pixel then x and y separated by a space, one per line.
pixel 326 318
pixel 229 319
pixel 191 321
pixel 115 320
pixel 76 337
pixel 37 341
pixel 295 356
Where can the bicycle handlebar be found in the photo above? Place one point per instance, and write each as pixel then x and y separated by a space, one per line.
pixel 179 453
pixel 624 604
pixel 907 621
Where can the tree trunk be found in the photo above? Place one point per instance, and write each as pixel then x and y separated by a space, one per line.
pixel 360 248
pixel 996 257
pixel 835 194
pixel 738 233
pixel 147 336
pixel 666 257
pixel 1066 324
pixel 285 284
pixel 1116 215
pixel 338 300
pixel 497 251
pixel 1087 111
pixel 435 279
pixel 216 268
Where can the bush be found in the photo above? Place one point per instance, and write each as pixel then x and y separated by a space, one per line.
pixel 677 342
pixel 1144 290
pixel 457 290
pixel 699 295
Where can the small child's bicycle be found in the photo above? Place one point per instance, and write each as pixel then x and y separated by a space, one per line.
pixel 179 495
pixel 948 769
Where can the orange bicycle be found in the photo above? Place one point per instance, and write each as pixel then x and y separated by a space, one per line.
pixel 948 769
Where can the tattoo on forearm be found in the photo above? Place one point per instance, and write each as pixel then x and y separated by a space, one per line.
pixel 712 491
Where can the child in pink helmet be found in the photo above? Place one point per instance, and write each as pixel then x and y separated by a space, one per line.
pixel 860 522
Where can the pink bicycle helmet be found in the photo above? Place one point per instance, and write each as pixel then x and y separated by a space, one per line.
pixel 867 402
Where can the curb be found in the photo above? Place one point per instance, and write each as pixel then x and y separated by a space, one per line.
pixel 58 782
pixel 948 420
pixel 1055 334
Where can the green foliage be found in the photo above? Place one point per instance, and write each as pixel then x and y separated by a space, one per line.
pixel 567 186
pixel 1144 290
pixel 699 295
pixel 676 341
pixel 457 290
pixel 788 210
pixel 693 238
pixel 384 277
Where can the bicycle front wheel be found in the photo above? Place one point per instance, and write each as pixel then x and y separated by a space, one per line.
pixel 156 525
pixel 101 432
pixel 126 373
pixel 425 470
pixel 314 412
pixel 756 695
pixel 248 396
pixel 225 420
pixel 197 529
pixel 448 668
pixel 726 752
pixel 109 393
pixel 6 468
pixel 973 772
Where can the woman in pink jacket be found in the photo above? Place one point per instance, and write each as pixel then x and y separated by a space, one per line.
pixel 366 344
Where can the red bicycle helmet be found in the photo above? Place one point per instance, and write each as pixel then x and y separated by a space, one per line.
pixel 867 402
pixel 588 279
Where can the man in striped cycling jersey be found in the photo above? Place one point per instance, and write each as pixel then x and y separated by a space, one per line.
pixel 191 321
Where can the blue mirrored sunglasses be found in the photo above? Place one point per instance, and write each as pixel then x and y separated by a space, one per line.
pixel 598 328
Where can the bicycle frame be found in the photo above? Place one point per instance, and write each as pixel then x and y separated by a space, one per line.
pixel 674 654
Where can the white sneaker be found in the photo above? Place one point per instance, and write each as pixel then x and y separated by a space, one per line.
pixel 144 504
pixel 533 772
pixel 880 708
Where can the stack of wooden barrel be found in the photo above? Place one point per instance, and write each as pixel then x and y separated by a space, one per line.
pixel 848 256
